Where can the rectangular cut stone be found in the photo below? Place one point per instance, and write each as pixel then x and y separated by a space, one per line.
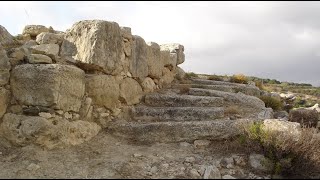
pixel 95 44
pixel 49 85
pixel 104 90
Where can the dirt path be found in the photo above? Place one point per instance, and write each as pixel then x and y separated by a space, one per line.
pixel 108 157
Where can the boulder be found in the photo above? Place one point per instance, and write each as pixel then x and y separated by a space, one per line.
pixel 148 85
pixel 177 49
pixel 94 53
pixel 127 40
pixel 259 162
pixel 4 67
pixel 306 117
pixel 180 73
pixel 24 130
pixel 104 90
pixel 282 129
pixel 51 50
pixel 130 91
pixel 34 30
pixel 4 101
pixel 6 39
pixel 212 172
pixel 126 33
pixel 280 114
pixel 39 59
pixel 315 107
pixel 266 113
pixel 30 43
pixel 167 77
pixel 154 62
pixel 17 55
pixel 168 59
pixel 49 85
pixel 49 38
pixel 138 65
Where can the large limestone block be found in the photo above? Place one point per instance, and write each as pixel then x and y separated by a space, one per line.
pixel 282 129
pixel 51 50
pixel 167 77
pixel 4 101
pixel 127 40
pixel 4 67
pixel 148 85
pixel 168 59
pixel 39 59
pixel 130 91
pixel 95 44
pixel 34 30
pixel 49 38
pixel 180 73
pixel 177 49
pixel 138 65
pixel 6 39
pixel 154 62
pixel 49 85
pixel 53 132
pixel 104 90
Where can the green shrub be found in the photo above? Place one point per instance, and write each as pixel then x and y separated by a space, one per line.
pixel 190 75
pixel 272 102
pixel 290 156
pixel 215 78
pixel 239 78
pixel 259 84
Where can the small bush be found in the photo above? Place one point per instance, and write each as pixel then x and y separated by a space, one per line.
pixel 259 84
pixel 215 78
pixel 190 75
pixel 306 117
pixel 272 102
pixel 239 78
pixel 232 110
pixel 291 156
pixel 184 89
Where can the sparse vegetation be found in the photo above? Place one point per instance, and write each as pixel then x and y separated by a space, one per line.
pixel 272 102
pixel 215 78
pixel 239 78
pixel 231 110
pixel 289 155
pixel 306 117
pixel 191 75
pixel 259 84
pixel 184 89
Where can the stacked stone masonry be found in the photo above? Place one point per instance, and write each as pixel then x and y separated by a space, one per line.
pixel 61 88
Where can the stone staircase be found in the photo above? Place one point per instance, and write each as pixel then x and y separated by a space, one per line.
pixel 169 116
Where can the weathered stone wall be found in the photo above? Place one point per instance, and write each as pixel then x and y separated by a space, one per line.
pixel 61 88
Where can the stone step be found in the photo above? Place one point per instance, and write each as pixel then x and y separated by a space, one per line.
pixel 176 100
pixel 147 114
pixel 248 90
pixel 239 97
pixel 178 131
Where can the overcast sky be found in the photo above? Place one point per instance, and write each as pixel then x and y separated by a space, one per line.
pixel 279 40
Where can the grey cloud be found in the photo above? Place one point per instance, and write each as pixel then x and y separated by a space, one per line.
pixel 279 40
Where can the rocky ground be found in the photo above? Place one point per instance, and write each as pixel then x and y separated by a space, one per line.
pixel 109 157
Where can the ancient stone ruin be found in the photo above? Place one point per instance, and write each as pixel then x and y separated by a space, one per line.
pixel 62 88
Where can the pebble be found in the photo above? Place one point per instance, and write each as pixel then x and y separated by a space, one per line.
pixel 33 167
pixel 45 115
pixel 190 159
pixel 136 155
